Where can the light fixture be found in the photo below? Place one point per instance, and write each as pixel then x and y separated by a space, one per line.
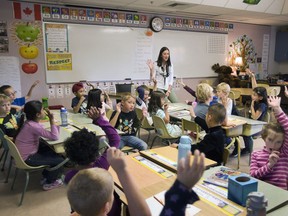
pixel 252 2
pixel 238 63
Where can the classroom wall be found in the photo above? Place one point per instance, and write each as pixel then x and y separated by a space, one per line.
pixel 253 31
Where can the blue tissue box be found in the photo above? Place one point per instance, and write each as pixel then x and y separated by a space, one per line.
pixel 239 187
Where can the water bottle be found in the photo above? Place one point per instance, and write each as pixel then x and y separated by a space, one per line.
pixel 256 204
pixel 64 116
pixel 214 100
pixel 184 147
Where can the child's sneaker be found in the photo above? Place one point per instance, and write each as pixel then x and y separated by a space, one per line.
pixel 57 183
pixel 43 181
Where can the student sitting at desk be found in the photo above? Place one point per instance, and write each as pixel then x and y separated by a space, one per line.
pixel 142 101
pixel 8 122
pixel 96 99
pixel 204 93
pixel 79 102
pixel 35 153
pixel 82 148
pixel 271 163
pixel 124 118
pixel 157 106
pixel 213 143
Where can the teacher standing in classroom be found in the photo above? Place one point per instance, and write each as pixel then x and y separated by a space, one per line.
pixel 162 72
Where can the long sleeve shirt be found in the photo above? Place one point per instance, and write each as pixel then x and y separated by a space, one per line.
pixel 176 200
pixel 160 74
pixel 27 141
pixel 114 141
pixel 278 175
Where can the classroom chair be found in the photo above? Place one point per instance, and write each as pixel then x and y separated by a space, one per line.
pixel 161 131
pixel 263 85
pixel 3 145
pixel 144 123
pixel 191 126
pixel 109 113
pixel 226 154
pixel 273 91
pixel 20 164
pixel 235 95
pixel 233 140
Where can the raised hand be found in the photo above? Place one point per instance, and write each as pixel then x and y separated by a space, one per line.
pixel 118 107
pixel 273 158
pixel 94 113
pixel 189 174
pixel 286 91
pixel 150 64
pixel 116 159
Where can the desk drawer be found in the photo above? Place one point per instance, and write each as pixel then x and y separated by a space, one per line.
pixel 249 130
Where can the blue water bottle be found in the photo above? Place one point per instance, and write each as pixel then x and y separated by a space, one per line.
pixel 214 100
pixel 64 116
pixel 184 147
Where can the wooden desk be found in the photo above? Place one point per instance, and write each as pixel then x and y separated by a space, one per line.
pixel 244 91
pixel 171 154
pixel 149 184
pixel 172 107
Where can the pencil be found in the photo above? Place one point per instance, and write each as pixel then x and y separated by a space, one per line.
pixel 106 143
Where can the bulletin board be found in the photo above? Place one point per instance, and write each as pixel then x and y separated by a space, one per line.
pixel 110 53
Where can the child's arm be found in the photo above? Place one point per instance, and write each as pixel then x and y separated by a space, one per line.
pixel 90 84
pixel 31 89
pixel 136 203
pixel 114 118
pixel 54 133
pixel 282 118
pixel 187 88
pixel 108 104
pixel 166 116
pixel 187 176
pixel 253 78
pixel 77 107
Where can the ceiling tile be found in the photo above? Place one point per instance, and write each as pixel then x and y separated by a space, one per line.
pixel 276 7
pixel 218 3
pixel 261 6
pixel 236 4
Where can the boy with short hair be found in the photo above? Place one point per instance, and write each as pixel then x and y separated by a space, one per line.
pixel 204 93
pixel 124 118
pixel 8 122
pixel 17 103
pixel 213 143
pixel 79 102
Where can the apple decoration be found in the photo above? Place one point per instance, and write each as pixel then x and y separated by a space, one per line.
pixel 28 52
pixel 29 68
pixel 27 33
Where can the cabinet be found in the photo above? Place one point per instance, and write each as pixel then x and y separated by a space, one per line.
pixel 281 47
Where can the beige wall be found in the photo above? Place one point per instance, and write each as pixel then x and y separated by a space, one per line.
pixel 253 31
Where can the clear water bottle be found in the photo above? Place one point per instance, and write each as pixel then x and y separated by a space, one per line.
pixel 256 204
pixel 64 116
pixel 184 147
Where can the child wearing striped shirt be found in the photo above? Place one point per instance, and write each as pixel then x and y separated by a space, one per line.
pixel 271 163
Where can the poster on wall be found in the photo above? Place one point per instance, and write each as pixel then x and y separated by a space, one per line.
pixel 56 38
pixel 59 61
pixel 4 42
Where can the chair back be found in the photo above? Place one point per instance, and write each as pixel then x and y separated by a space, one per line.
pixel 273 91
pixel 234 95
pixel 267 117
pixel 263 85
pixel 160 128
pixel 191 126
pixel 120 88
pixel 20 164
pixel 3 140
pixel 109 113
pixel 144 123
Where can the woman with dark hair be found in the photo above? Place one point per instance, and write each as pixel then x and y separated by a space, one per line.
pixel 32 151
pixel 162 72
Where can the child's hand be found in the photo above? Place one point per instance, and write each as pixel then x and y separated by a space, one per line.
pixel 166 106
pixel 94 113
pixel 174 145
pixel 49 114
pixel 274 102
pixel 82 98
pixel 189 174
pixel 286 91
pixel 35 83
pixel 192 112
pixel 116 159
pixel 224 101
pixel 118 107
pixel 273 158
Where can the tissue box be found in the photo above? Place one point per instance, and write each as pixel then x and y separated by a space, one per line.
pixel 239 187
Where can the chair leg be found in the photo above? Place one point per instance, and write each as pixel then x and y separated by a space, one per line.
pixel 239 151
pixel 16 172
pixel 153 142
pixel 148 136
pixel 9 170
pixel 5 158
pixel 25 188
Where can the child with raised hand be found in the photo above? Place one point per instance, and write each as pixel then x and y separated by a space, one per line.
pixel 8 122
pixel 158 107
pixel 187 176
pixel 96 98
pixel 17 103
pixel 189 90
pixel 271 163
pixel 124 118
pixel 82 148
pixel 79 102
pixel 35 153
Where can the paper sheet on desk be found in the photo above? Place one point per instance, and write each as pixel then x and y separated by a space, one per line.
pixel 155 205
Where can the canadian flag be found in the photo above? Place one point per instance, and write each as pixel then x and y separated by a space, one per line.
pixel 27 11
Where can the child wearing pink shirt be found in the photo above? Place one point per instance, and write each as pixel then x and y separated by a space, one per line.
pixel 27 142
pixel 271 163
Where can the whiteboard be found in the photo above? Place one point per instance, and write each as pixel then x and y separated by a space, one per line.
pixel 110 53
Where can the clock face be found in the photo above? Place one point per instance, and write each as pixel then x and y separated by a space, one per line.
pixel 157 24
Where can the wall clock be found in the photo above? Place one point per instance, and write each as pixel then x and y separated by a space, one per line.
pixel 156 24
